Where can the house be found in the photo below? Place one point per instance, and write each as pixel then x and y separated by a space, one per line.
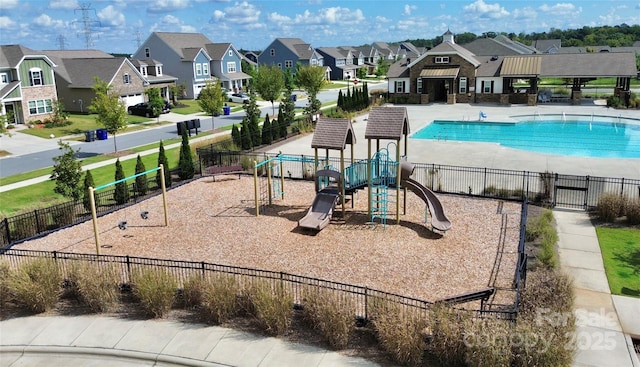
pixel 495 47
pixel 286 53
pixel 153 72
pixel 226 65
pixel 549 46
pixel 407 49
pixel 450 73
pixel 183 55
pixel 27 84
pixel 340 62
pixel 77 70
pixel 370 57
pixel 385 51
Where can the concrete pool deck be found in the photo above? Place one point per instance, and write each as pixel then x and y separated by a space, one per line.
pixel 489 155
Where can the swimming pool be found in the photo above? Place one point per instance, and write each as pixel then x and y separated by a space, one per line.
pixel 581 136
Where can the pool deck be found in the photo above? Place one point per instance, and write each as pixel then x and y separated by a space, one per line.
pixel 489 155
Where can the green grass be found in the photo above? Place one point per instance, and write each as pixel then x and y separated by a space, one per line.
pixel 621 256
pixel 187 107
pixel 79 124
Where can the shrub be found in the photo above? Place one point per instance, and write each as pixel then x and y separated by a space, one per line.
pixel 399 332
pixel 488 343
pixel 448 328
pixel 537 225
pixel 220 298
pixel 548 289
pixel 326 312
pixel 65 214
pixel 490 190
pixel 547 254
pixel 609 207
pixel 5 271
pixel 155 289
pixel 272 306
pixel 36 284
pixel 97 285
pixel 24 226
pixel 193 291
pixel 632 211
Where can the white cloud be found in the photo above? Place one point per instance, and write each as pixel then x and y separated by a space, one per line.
pixel 111 16
pixel 409 24
pixel 408 9
pixel 169 23
pixel 278 18
pixel 481 9
pixel 163 6
pixel 63 4
pixel 381 19
pixel 8 4
pixel 330 16
pixel 561 9
pixel 526 13
pixel 46 21
pixel 243 13
pixel 6 23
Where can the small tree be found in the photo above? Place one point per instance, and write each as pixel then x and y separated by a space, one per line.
pixel 155 101
pixel 252 112
pixel 311 79
pixel 245 135
pixel 235 136
pixel 185 163
pixel 282 125
pixel 88 182
pixel 162 160
pixel 142 186
pixel 121 193
pixel 67 171
pixel 110 109
pixel 177 90
pixel 211 99
pixel 269 84
pixel 266 131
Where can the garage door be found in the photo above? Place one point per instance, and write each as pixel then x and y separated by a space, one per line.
pixel 133 99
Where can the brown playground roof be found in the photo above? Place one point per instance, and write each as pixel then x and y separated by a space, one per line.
pixel 389 123
pixel 333 133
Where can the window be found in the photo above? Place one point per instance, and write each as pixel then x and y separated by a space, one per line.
pixel 143 70
pixel 288 63
pixel 463 85
pixel 280 65
pixel 487 87
pixel 230 53
pixel 205 69
pixel 314 62
pixel 399 86
pixel 4 78
pixel 40 106
pixel 442 59
pixel 126 78
pixel 272 52
pixel 231 67
pixel 198 69
pixel 147 52
pixel 35 76
pixel 158 70
pixel 419 85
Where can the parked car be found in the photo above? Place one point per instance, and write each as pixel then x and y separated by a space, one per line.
pixel 144 109
pixel 239 98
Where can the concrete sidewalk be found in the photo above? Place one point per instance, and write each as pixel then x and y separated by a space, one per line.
pixel 82 341
pixel 603 326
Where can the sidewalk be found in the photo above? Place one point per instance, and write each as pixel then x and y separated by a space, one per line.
pixel 82 341
pixel 603 322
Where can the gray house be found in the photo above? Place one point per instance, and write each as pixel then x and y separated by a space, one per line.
pixel 340 62
pixel 287 52
pixel 183 55
pixel 226 65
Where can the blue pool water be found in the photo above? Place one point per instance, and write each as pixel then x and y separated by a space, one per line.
pixel 570 138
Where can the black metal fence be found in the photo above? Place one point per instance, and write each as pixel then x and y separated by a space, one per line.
pixel 360 300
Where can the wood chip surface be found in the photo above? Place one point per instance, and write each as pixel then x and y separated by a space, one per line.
pixel 215 222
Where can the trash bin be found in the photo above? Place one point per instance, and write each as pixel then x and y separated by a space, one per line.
pixel 89 135
pixel 294 97
pixel 227 110
pixel 101 134
pixel 179 126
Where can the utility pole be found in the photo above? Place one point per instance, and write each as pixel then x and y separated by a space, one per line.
pixel 61 42
pixel 86 23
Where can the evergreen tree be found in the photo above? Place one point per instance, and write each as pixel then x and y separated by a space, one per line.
pixel 142 186
pixel 121 193
pixel 347 105
pixel 282 125
pixel 185 163
pixel 366 95
pixel 275 128
pixel 287 105
pixel 88 182
pixel 245 135
pixel 67 172
pixel 235 136
pixel 266 131
pixel 164 161
pixel 340 100
pixel 253 119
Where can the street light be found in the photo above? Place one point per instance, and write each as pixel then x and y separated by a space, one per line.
pixel 348 77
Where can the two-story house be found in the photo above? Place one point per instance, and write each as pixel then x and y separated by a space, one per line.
pixel 153 73
pixel 340 62
pixel 76 71
pixel 183 55
pixel 27 84
pixel 226 65
pixel 286 53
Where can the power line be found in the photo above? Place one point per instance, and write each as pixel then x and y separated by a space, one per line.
pixel 86 22
pixel 62 42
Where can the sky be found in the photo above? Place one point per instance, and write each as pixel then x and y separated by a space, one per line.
pixel 120 26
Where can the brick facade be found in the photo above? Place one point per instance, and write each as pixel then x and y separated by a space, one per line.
pixel 429 86
pixel 42 92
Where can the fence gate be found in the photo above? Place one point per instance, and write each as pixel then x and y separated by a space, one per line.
pixel 571 191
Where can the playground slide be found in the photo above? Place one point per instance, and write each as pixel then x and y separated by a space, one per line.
pixel 320 212
pixel 439 220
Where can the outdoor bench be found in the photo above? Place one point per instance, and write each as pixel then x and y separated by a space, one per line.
pixel 482 294
pixel 214 171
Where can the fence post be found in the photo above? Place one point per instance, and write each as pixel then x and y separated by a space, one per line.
pixel 484 182
pixel 622 187
pixel 7 231
pixel 203 270
pixel 128 269
pixel 586 196
pixel 366 303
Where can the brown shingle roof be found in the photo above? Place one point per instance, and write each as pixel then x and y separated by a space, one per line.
pixel 333 133
pixel 387 123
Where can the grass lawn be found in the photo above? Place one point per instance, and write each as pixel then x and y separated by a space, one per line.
pixel 621 255
pixel 79 124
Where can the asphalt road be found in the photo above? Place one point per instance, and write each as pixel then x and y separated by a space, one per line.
pixel 41 159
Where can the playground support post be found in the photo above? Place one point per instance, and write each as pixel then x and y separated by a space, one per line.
pixel 281 180
pixel 269 183
pixel 163 185
pixel 342 179
pixel 255 187
pixel 398 183
pixel 94 217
